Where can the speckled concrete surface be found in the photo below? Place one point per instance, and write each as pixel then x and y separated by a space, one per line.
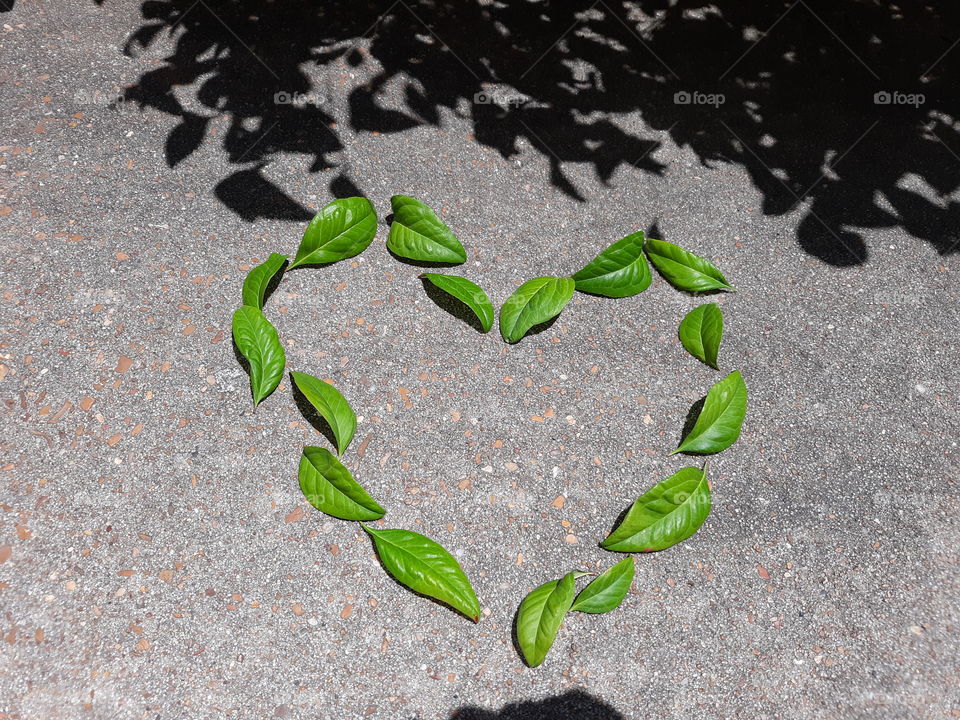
pixel 158 561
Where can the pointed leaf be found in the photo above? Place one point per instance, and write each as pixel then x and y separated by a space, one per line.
pixel 418 234
pixel 684 269
pixel 255 286
pixel 619 271
pixel 701 332
pixel 258 342
pixel 668 513
pixel 425 567
pixel 331 405
pixel 532 303
pixel 719 422
pixel 606 591
pixel 342 229
pixel 469 293
pixel 330 487
pixel 540 616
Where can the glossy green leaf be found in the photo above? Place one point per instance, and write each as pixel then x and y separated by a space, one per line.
pixel 342 229
pixel 668 513
pixel 606 591
pixel 418 234
pixel 540 616
pixel 720 419
pixel 683 269
pixel 701 332
pixel 258 342
pixel 330 487
pixel 467 292
pixel 331 405
pixel 534 302
pixel 425 567
pixel 619 271
pixel 259 278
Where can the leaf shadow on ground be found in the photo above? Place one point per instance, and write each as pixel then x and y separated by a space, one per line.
pixel 311 415
pixel 571 705
pixel 691 419
pixel 845 113
pixel 454 306
pixel 274 282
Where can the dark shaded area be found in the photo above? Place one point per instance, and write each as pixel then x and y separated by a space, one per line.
pixel 311 415
pixel 252 196
pixel 845 112
pixel 692 414
pixel 274 282
pixel 7 5
pixel 448 303
pixel 424 264
pixel 572 705
pixel 541 327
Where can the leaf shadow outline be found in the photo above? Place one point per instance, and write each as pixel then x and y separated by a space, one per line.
pixel 312 416
pixel 689 421
pixel 452 305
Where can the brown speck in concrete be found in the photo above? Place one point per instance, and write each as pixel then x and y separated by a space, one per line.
pixel 295 515
pixel 5 553
pixel 346 612
pixel 362 450
pixel 762 572
pixel 123 364
pixel 559 501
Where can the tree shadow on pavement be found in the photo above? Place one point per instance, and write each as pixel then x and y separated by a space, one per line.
pixel 846 113
pixel 572 705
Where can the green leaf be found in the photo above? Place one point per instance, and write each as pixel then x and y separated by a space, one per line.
pixel 259 278
pixel 342 229
pixel 606 591
pixel 619 271
pixel 532 303
pixel 257 341
pixel 701 332
pixel 330 487
pixel 331 405
pixel 425 567
pixel 540 616
pixel 718 425
pixel 469 293
pixel 418 234
pixel 683 269
pixel 668 513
